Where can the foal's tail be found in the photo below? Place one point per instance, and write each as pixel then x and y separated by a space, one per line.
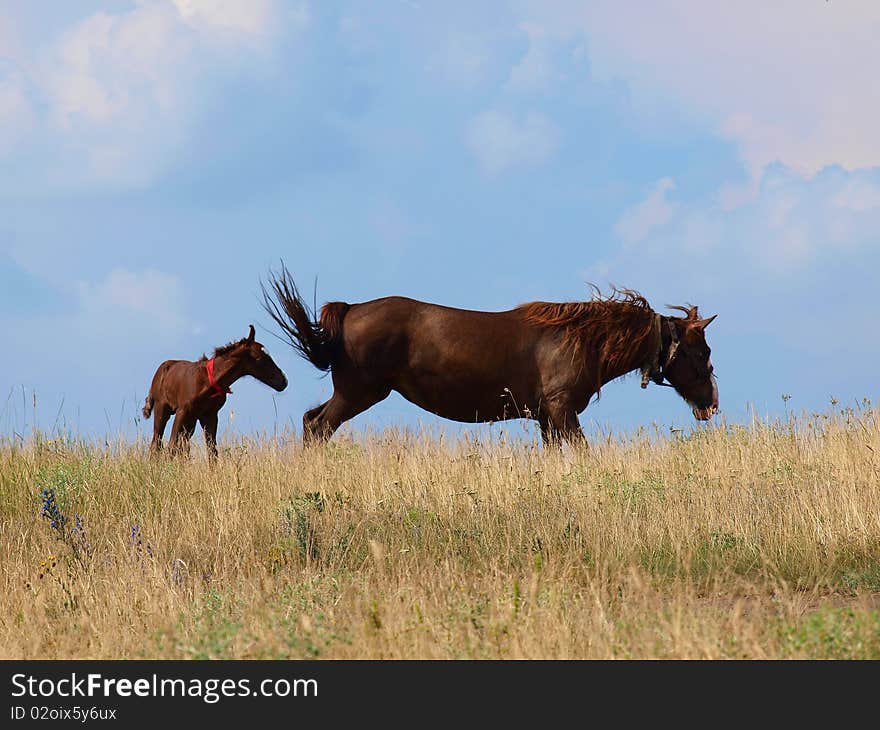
pixel 148 406
pixel 316 341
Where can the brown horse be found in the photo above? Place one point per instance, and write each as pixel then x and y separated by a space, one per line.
pixel 543 361
pixel 196 391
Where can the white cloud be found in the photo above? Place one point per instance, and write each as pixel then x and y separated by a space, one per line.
pixel 154 298
pixel 113 327
pixel 790 223
pixel 653 212
pixel 10 34
pixel 791 272
pixel 858 195
pixel 500 141
pixel 534 71
pixel 788 81
pixel 118 91
pixel 108 67
pixel 792 84
pixel 248 17
pixel 462 60
pixel 16 114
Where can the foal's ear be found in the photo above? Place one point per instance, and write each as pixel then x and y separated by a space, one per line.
pixel 250 337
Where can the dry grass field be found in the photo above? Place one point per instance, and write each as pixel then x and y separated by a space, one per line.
pixel 728 542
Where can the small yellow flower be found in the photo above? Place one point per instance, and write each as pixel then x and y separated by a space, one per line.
pixel 46 566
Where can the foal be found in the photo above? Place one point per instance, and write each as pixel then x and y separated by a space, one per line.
pixel 196 391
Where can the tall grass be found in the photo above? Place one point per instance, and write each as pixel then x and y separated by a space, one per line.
pixel 729 542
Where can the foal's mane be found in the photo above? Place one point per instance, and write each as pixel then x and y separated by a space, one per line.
pixel 225 349
pixel 612 328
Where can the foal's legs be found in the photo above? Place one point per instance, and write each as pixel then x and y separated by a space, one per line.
pixel 209 426
pixel 161 414
pixel 181 433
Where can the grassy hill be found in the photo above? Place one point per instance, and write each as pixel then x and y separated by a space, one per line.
pixel 730 542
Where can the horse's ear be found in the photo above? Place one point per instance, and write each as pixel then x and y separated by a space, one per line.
pixel 690 311
pixel 701 324
pixel 250 337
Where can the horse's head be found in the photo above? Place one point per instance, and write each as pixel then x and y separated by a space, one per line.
pixel 257 362
pixel 689 366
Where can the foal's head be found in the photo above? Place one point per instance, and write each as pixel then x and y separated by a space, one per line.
pixel 690 368
pixel 255 361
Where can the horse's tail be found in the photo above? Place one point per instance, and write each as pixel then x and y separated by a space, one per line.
pixel 148 406
pixel 317 342
pixel 332 314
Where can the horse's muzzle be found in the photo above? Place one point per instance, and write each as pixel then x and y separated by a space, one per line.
pixel 704 414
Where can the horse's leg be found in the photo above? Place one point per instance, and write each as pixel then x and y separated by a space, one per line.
pixel 344 405
pixel 310 418
pixel 161 414
pixel 549 435
pixel 186 434
pixel 572 432
pixel 181 432
pixel 209 426
pixel 560 422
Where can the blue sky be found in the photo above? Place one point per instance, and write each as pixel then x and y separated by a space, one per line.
pixel 157 157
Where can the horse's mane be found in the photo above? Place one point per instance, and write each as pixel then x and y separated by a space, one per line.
pixel 225 349
pixel 611 328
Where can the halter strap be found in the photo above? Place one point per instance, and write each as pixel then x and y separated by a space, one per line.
pixel 653 368
pixel 217 391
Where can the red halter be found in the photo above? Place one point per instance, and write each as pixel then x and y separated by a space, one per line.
pixel 218 391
